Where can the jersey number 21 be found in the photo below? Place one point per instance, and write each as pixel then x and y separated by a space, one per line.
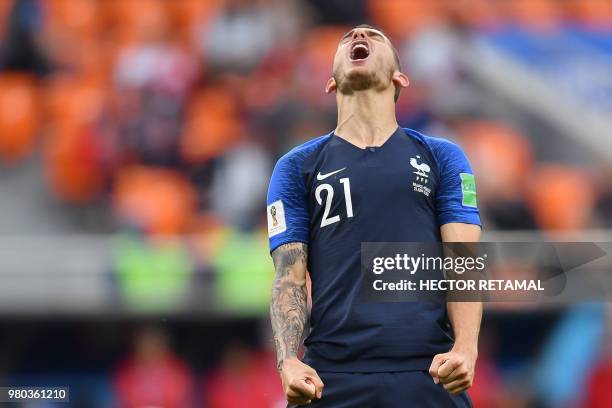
pixel 326 219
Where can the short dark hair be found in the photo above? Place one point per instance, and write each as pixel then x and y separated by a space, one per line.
pixel 395 53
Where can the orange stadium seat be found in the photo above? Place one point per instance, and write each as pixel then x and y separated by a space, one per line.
pixel 316 56
pixel 597 13
pixel 133 11
pixel 19 115
pixel 95 61
pixel 475 13
pixel 74 19
pixel 537 14
pixel 400 18
pixel 212 126
pixel 72 101
pixel 130 19
pixel 562 198
pixel 321 44
pixel 73 164
pixel 501 157
pixel 159 201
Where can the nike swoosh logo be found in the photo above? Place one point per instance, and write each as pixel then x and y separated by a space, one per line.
pixel 324 176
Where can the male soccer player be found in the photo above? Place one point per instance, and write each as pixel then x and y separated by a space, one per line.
pixel 368 181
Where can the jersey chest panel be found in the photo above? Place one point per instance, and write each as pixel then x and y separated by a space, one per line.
pixel 353 191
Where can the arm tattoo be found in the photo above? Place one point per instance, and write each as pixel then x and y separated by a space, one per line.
pixel 288 310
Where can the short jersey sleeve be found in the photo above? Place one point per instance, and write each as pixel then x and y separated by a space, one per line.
pixel 456 199
pixel 287 209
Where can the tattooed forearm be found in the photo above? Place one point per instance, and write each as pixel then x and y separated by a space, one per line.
pixel 288 310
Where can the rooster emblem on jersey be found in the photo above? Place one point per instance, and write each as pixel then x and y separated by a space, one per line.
pixel 422 169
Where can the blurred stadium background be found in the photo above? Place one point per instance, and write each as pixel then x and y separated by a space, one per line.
pixel 136 142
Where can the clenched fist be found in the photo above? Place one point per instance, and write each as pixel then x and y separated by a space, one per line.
pixel 301 382
pixel 455 370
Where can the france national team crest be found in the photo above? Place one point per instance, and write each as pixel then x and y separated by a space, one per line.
pixel 422 176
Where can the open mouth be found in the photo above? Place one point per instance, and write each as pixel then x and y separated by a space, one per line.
pixel 360 51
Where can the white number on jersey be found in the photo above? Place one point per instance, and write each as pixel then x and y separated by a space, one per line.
pixel 326 219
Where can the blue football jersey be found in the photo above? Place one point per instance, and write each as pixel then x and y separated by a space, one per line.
pixel 332 196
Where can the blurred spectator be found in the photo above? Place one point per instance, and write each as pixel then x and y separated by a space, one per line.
pixel 488 390
pixel 153 76
pixel 242 380
pixel 79 152
pixel 152 274
pixel 432 57
pixel 600 383
pixel 153 375
pixel 242 33
pixel 21 48
pixel 239 186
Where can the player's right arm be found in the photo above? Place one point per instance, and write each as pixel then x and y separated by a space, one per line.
pixel 288 230
pixel 289 314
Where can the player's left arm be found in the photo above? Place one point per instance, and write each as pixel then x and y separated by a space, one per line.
pixel 459 217
pixel 455 369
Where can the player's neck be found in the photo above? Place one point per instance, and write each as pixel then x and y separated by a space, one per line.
pixel 366 118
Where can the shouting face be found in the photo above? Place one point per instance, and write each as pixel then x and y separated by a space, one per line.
pixel 366 59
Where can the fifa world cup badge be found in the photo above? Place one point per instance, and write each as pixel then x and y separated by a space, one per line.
pixel 276 218
pixel 273 214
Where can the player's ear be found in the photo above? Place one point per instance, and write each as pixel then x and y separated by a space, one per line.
pixel 400 79
pixel 331 85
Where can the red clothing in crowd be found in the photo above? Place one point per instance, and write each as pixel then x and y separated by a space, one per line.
pixel 255 385
pixel 166 382
pixel 599 387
